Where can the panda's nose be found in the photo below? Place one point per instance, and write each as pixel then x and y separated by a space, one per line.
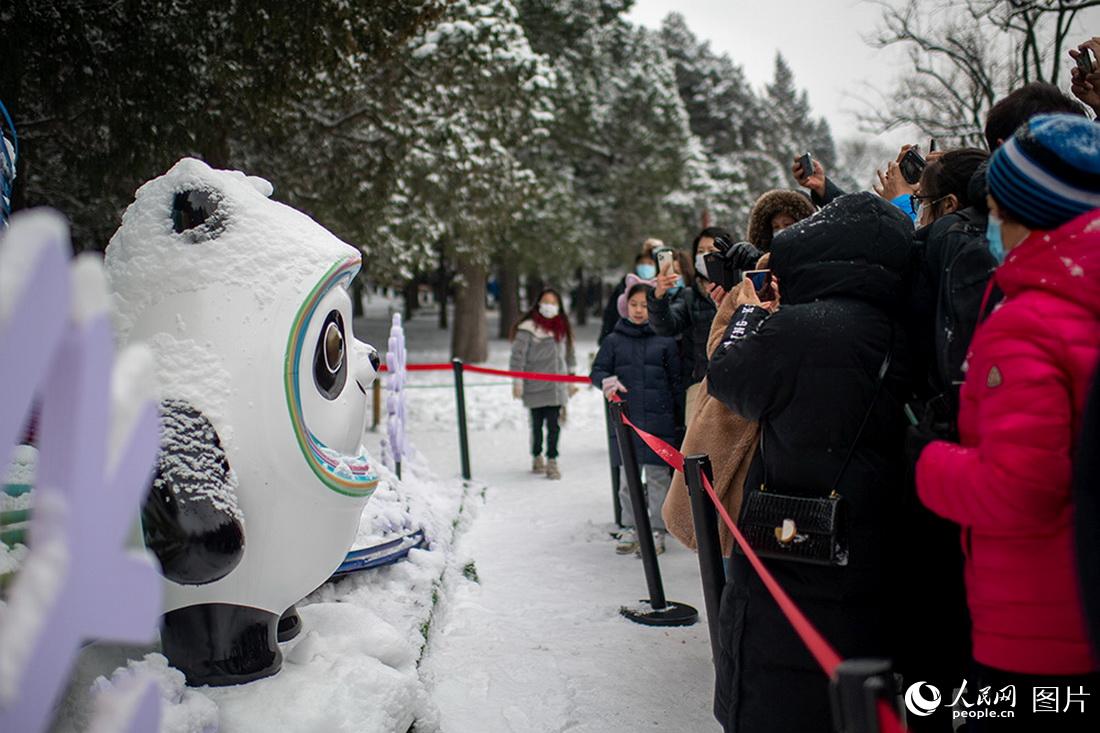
pixel 367 363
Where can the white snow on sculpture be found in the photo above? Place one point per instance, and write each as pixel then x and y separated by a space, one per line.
pixel 244 302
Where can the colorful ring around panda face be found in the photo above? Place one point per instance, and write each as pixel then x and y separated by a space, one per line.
pixel 344 474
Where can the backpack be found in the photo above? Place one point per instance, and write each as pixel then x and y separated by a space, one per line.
pixel 965 266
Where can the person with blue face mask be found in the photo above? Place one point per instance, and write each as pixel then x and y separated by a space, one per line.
pixel 994 240
pixel 645 267
pixel 1006 478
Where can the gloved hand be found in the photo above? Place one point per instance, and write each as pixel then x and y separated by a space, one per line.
pixel 611 385
pixel 744 255
pixel 517 390
pixel 917 438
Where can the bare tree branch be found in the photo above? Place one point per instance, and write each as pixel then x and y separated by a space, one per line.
pixel 965 55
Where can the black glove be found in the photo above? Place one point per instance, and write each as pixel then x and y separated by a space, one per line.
pixel 743 256
pixel 917 438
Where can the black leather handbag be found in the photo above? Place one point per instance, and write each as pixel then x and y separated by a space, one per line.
pixel 802 528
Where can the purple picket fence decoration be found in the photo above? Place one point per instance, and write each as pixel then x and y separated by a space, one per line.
pixel 396 359
pixel 97 440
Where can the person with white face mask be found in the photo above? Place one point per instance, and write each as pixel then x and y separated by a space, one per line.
pixel 686 312
pixel 542 341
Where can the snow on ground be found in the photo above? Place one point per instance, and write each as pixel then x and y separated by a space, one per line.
pixel 528 637
pixel 354 667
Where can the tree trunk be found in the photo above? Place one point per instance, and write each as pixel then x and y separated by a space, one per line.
pixel 442 296
pixel 357 295
pixel 509 299
pixel 470 338
pixel 535 285
pixel 580 305
pixel 441 287
pixel 411 292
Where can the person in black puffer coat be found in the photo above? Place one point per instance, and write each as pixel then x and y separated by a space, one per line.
pixel 810 373
pixel 951 266
pixel 644 369
pixel 687 313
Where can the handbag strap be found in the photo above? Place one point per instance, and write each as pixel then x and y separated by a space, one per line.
pixel 885 367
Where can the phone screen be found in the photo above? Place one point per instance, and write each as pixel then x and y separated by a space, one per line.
pixel 762 282
pixel 759 278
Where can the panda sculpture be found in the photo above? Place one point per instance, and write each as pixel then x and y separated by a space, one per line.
pixel 262 478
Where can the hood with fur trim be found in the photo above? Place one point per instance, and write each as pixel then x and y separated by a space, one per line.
pixel 778 201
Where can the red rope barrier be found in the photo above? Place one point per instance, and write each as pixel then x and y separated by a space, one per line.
pixel 819 647
pixel 538 376
pixel 440 367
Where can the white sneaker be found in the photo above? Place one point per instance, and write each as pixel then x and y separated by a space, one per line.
pixel 628 542
pixel 538 465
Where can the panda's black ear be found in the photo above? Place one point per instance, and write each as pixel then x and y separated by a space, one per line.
pixel 193 208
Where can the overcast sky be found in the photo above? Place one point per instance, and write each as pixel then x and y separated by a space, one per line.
pixel 822 41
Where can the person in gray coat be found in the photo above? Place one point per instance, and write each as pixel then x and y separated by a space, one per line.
pixel 542 341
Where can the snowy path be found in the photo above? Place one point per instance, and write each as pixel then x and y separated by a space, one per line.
pixel 537 644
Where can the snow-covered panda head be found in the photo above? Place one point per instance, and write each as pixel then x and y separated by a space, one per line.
pixel 245 302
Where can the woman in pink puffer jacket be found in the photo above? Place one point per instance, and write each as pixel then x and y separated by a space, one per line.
pixel 1030 364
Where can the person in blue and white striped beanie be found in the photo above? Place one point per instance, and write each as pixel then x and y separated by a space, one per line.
pixel 1045 175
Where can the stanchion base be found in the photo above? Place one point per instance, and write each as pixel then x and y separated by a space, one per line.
pixel 673 614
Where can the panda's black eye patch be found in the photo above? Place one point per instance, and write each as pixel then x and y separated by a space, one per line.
pixel 191 209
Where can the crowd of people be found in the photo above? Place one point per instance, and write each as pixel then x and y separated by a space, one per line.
pixel 898 393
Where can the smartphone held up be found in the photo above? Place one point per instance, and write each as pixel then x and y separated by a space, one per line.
pixel 664 258
pixel 1084 60
pixel 763 283
pixel 807 163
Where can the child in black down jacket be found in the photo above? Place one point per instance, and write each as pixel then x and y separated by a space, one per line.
pixel 645 369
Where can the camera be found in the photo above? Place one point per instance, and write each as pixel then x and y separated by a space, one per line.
pixel 912 166
pixel 725 266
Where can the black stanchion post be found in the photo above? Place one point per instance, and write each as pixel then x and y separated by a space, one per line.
pixel 855 692
pixel 705 517
pixel 661 612
pixel 616 504
pixel 460 399
pixel 397 469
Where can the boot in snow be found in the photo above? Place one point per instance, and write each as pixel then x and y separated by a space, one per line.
pixel 628 542
pixel 552 471
pixel 658 543
pixel 538 465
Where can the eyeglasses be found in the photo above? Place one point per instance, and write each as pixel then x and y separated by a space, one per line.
pixel 916 201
